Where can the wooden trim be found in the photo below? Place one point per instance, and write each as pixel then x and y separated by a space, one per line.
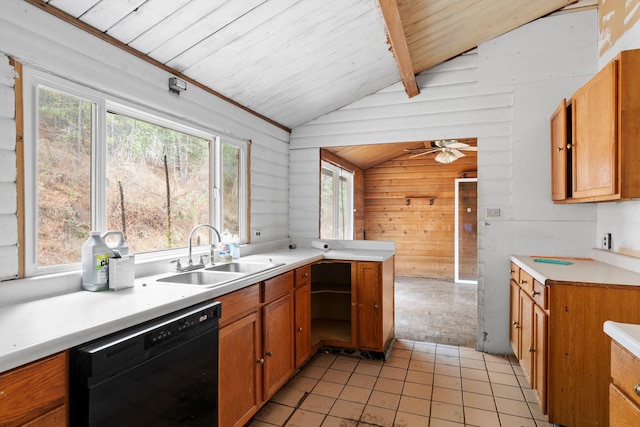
pixel 19 117
pixel 249 237
pixel 117 43
pixel 332 158
pixel 399 45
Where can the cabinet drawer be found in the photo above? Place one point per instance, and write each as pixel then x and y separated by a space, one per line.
pixel 622 411
pixel 278 286
pixel 29 392
pixel 239 303
pixel 515 273
pixel 303 276
pixel 526 282
pixel 625 372
pixel 539 294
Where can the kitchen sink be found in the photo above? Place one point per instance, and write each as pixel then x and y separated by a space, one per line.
pixel 202 278
pixel 245 268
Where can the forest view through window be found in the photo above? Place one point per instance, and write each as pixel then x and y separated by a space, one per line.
pixel 155 182
pixel 336 203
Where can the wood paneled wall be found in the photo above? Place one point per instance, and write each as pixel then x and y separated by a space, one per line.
pixel 411 202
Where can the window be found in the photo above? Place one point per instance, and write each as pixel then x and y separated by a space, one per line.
pixel 98 164
pixel 336 203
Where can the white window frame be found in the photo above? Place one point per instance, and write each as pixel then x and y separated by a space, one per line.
pixel 104 103
pixel 340 172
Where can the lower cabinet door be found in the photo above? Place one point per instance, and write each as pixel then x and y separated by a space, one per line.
pixel 526 344
pixel 278 344
pixel 302 324
pixel 540 357
pixel 369 306
pixel 239 372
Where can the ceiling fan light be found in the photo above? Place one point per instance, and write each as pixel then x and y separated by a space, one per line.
pixel 445 157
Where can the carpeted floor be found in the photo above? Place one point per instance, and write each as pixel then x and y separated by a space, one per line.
pixel 435 311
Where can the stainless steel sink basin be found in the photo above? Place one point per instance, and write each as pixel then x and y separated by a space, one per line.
pixel 245 268
pixel 201 278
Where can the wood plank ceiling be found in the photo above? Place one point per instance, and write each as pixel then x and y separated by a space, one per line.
pixel 291 61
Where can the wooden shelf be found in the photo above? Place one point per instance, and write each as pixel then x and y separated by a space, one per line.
pixel 336 288
pixel 330 330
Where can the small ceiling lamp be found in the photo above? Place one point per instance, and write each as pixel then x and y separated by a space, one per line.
pixel 177 85
pixel 448 155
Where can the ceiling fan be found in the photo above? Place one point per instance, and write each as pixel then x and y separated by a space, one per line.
pixel 449 150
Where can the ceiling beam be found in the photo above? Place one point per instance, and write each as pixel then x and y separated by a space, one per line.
pixel 399 45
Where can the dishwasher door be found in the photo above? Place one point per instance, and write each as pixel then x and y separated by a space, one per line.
pixel 162 373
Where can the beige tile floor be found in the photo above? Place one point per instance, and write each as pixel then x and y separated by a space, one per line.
pixel 420 385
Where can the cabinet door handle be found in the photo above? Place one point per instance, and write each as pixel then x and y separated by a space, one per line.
pixel 534 293
pixel 531 349
pixel 559 148
pixel 516 325
pixel 300 329
pixel 569 146
pixel 260 361
pixel 636 389
pixel 305 275
pixel 375 306
pixel 269 353
pixel 522 281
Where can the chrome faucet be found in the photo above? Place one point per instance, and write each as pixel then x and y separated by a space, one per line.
pixel 200 264
pixel 196 228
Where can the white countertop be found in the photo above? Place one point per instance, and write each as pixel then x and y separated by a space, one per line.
pixel 590 271
pixel 35 329
pixel 581 270
pixel 625 334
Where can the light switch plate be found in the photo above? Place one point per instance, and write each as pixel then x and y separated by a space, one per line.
pixel 492 212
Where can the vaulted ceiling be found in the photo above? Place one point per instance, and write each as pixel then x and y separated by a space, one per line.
pixel 291 61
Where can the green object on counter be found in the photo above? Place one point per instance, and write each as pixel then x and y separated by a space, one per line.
pixel 553 261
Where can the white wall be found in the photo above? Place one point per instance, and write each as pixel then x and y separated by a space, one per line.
pixel 621 219
pixel 503 93
pixel 42 41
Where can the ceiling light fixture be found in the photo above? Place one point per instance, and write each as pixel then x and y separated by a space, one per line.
pixel 446 156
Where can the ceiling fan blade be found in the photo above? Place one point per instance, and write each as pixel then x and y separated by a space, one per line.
pixel 457 153
pixel 469 149
pixel 457 145
pixel 421 154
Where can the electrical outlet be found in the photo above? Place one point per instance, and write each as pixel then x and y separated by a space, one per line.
pixel 606 241
pixel 257 233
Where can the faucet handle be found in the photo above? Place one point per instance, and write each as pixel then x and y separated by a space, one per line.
pixel 202 258
pixel 178 266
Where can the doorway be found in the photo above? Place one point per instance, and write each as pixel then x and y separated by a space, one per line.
pixel 465 231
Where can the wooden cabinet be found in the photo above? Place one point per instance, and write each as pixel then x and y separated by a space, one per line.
pixel 353 304
pixel 256 344
pixel 278 343
pixel 595 135
pixel 528 330
pixel 561 152
pixel 302 317
pixel 369 302
pixel 563 349
pixel 35 394
pixel 604 127
pixel 624 390
pixel 240 357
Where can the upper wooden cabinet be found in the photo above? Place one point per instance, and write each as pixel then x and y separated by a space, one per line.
pixel 596 162
pixel 561 152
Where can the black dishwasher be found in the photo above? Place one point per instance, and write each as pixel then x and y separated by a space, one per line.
pixel 161 373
